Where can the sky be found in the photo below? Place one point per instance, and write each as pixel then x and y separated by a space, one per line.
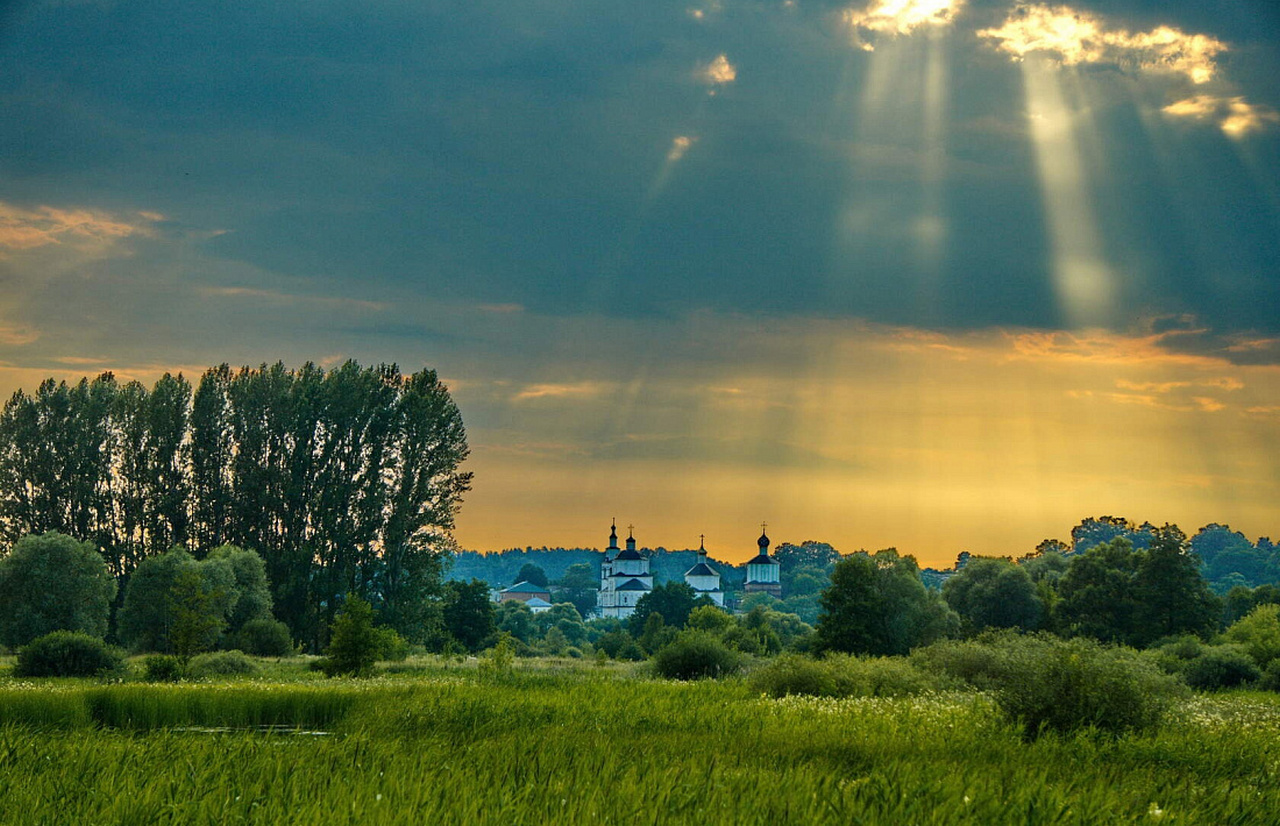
pixel 942 275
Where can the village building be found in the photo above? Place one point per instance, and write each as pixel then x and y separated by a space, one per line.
pixel 703 579
pixel 624 577
pixel 763 571
pixel 525 592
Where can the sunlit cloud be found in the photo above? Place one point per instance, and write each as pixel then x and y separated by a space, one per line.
pixel 1073 37
pixel 679 145
pixel 1234 115
pixel 276 296
pixel 718 72
pixel 573 390
pixel 24 229
pixel 897 17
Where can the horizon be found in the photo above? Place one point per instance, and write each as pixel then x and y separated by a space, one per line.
pixel 939 275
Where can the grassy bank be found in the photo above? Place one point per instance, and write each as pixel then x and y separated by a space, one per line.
pixel 593 746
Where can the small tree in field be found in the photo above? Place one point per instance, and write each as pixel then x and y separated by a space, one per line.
pixel 353 645
pixel 50 583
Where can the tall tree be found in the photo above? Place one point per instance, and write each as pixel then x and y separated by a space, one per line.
pixel 994 593
pixel 53 583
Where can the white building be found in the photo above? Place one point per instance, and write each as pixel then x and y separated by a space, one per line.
pixel 703 579
pixel 763 571
pixel 624 578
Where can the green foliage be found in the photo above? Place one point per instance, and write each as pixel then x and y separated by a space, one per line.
pixel 354 642
pixel 878 605
pixel 197 609
pixel 1221 666
pixel 841 675
pixel 514 617
pixel 162 668
pixel 500 659
pixel 68 654
pixel 579 585
pixel 994 593
pixel 252 592
pixel 656 634
pixel 531 574
pixel 1066 685
pixel 468 613
pixel 265 638
pixel 175 604
pixel 221 664
pixel 672 601
pixel 1259 633
pixel 696 655
pixel 710 618
pixel 391 646
pixel 53 583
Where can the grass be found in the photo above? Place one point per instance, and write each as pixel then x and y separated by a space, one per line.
pixel 445 741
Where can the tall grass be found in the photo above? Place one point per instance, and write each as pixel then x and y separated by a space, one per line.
pixel 594 746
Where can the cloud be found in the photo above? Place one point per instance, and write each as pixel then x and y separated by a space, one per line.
pixel 571 390
pixel 718 72
pixel 24 229
pixel 1234 115
pixel 898 17
pixel 276 296
pixel 1074 37
pixel 680 145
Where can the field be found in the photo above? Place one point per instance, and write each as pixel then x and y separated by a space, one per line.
pixel 452 743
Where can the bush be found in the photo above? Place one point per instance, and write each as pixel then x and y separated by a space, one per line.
pixel 1271 677
pixel 1259 632
pixel 841 675
pixel 162 668
pixel 391 646
pixel 696 654
pixel 1068 685
pixel 221 664
pixel 353 647
pixel 68 654
pixel 981 663
pixel 265 638
pixel 1221 666
pixel 794 674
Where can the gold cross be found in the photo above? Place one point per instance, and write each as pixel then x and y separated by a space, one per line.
pixel 763 525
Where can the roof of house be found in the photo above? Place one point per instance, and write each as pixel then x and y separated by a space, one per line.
pixel 701 569
pixel 629 553
pixel 633 585
pixel 537 602
pixel 525 587
pixel 762 559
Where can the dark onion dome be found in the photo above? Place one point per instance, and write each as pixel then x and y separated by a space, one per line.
pixel 701 569
pixel 629 553
pixel 633 585
pixel 762 559
pixel 763 541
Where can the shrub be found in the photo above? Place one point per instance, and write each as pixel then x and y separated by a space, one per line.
pixel 1259 632
pixel 1221 666
pixel 68 654
pixel 353 648
pixel 696 654
pixel 221 664
pixel 1068 685
pixel 161 668
pixel 391 646
pixel 794 674
pixel 52 582
pixel 265 638
pixel 1271 676
pixel 980 663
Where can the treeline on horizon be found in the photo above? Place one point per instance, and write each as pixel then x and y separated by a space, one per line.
pixel 342 481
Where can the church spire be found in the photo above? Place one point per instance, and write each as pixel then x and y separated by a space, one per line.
pixel 613 535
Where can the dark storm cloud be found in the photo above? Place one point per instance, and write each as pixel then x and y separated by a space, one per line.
pixel 517 153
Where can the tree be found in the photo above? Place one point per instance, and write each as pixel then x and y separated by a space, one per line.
pixel 468 613
pixel 50 583
pixel 353 640
pixel 994 593
pixel 175 603
pixel 252 590
pixel 878 605
pixel 532 574
pixel 1098 595
pixel 197 617
pixel 673 600
pixel 579 585
pixel 1173 597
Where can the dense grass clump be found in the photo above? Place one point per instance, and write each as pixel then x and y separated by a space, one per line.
pixel 694 655
pixel 68 654
pixel 842 675
pixel 221 664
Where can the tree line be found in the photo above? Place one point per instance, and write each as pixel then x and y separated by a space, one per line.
pixel 343 481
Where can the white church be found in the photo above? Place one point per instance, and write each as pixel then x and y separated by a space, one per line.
pixel 625 576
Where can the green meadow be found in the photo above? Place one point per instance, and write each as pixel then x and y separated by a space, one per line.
pixel 440 741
